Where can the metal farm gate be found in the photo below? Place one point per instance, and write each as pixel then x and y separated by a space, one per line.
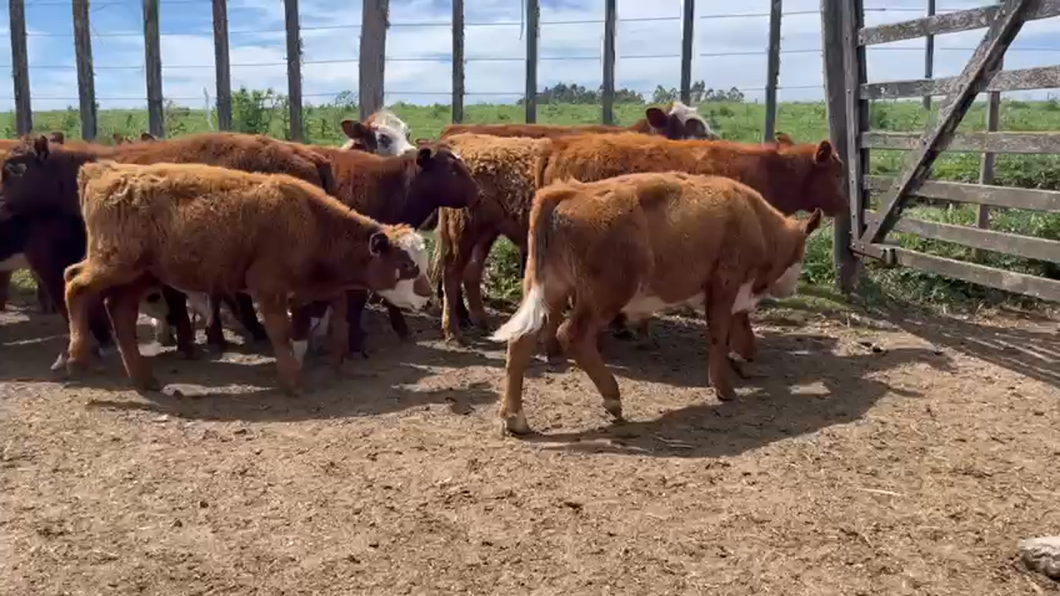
pixel 848 95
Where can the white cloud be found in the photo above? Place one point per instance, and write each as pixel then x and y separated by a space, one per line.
pixel 419 69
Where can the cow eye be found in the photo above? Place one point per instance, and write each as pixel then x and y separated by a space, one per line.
pixel 384 141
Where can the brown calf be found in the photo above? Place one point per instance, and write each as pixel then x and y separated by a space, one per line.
pixel 505 170
pixel 207 229
pixel 639 244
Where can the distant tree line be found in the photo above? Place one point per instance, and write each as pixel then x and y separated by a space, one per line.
pixel 573 93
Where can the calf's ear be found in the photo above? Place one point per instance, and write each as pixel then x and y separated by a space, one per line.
pixel 783 139
pixel 378 244
pixel 824 152
pixel 423 157
pixel 57 137
pixel 813 222
pixel 350 128
pixel 656 117
pixel 147 137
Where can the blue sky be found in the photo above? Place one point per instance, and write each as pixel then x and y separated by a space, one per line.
pixel 418 68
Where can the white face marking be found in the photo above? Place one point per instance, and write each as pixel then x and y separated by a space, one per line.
pixel 391 141
pixel 745 301
pixel 403 295
pixel 15 261
pixel 685 113
pixel 787 283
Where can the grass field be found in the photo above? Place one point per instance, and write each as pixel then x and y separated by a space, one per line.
pixel 264 112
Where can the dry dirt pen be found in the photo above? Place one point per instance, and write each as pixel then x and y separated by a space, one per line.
pixel 867 456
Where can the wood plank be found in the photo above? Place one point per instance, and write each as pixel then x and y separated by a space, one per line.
pixel 984 60
pixel 688 31
pixel 1043 77
pixel 1017 245
pixel 971 142
pixel 458 61
pixel 86 80
pixel 986 161
pixel 156 123
pixel 835 100
pixel 222 64
pixel 533 34
pixel 372 59
pixel 1009 281
pixel 20 67
pixel 772 70
pixel 857 111
pixel 610 24
pixel 976 194
pixel 929 55
pixel 294 69
pixel 952 22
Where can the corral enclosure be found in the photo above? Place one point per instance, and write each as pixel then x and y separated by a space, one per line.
pixel 873 451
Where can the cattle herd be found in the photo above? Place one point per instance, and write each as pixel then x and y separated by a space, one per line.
pixel 613 224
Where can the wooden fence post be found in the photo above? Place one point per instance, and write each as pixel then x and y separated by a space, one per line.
pixel 374 24
pixel 533 32
pixel 294 69
pixel 458 61
pixel 86 84
pixel 772 70
pixel 20 68
pixel 222 64
pixel 610 24
pixel 688 29
pixel 845 260
pixel 856 110
pixel 929 54
pixel 156 122
pixel 986 162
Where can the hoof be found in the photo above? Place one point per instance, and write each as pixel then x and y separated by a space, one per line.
pixel 614 407
pixel 166 341
pixel 456 339
pixel 516 425
pixel 623 334
pixel 727 395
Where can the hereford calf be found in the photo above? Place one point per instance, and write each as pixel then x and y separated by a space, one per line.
pixel 207 229
pixel 639 244
pixel 382 133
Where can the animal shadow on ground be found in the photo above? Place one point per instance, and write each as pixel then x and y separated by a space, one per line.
pixel 800 385
pixel 1034 353
pixel 377 385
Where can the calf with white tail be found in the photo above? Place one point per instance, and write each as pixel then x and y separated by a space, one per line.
pixel 639 244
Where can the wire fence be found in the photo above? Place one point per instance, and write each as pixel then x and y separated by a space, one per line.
pixel 371 91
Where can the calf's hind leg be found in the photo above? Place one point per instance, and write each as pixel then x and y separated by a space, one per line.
pixel 177 304
pixel 123 304
pixel 278 325
pixel 578 335
pixel 85 283
pixel 720 298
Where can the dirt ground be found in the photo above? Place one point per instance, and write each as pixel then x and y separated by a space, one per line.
pixel 866 456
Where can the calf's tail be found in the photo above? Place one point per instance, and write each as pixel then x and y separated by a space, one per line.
pixel 534 308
